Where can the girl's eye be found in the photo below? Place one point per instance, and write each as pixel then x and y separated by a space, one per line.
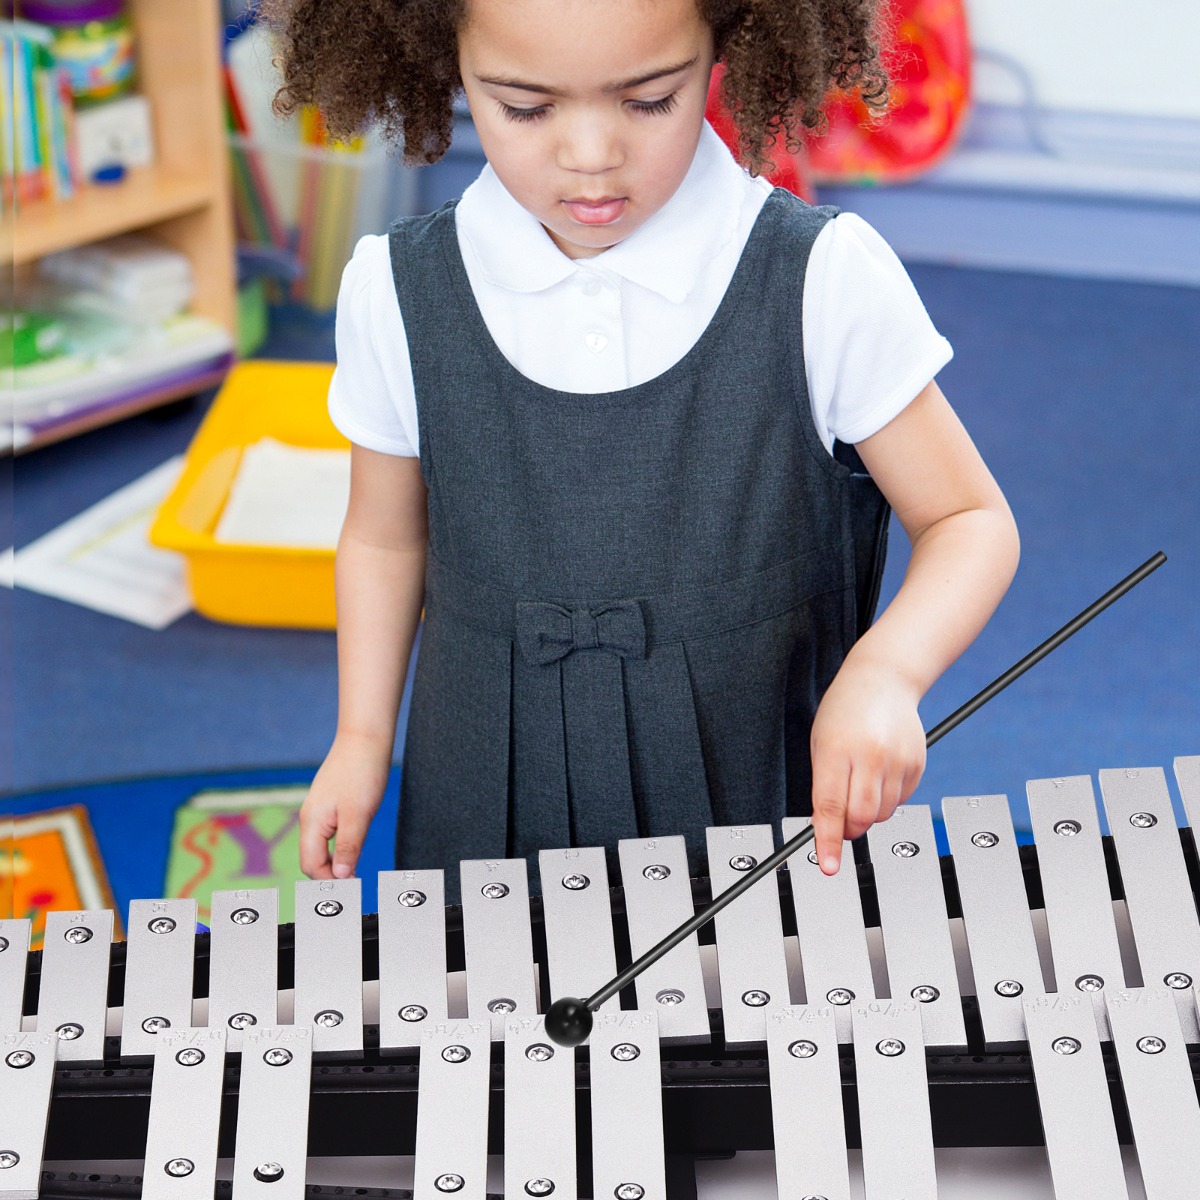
pixel 523 114
pixel 656 106
pixel 648 107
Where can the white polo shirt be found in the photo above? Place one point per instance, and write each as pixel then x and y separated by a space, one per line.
pixel 624 316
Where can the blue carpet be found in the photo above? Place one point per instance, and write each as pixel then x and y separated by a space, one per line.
pixel 1081 395
pixel 1082 398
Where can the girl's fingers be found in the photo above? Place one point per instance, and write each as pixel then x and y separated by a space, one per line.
pixel 315 833
pixel 911 778
pixel 831 783
pixel 352 831
pixel 862 810
pixel 848 800
pixel 891 795
pixel 899 788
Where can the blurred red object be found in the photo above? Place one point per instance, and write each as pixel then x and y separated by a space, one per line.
pixel 930 69
pixel 786 171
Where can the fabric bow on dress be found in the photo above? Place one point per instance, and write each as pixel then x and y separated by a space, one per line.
pixel 548 632
pixel 572 679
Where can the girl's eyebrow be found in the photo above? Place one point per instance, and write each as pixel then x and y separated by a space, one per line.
pixel 542 90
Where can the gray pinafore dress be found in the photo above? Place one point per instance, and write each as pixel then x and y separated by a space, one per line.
pixel 634 599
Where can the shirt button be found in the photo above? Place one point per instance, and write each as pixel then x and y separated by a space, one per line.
pixel 596 342
pixel 591 287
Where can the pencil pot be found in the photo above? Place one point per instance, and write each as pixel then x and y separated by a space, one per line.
pixel 314 203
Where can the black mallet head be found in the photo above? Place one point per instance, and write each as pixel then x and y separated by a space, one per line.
pixel 569 1021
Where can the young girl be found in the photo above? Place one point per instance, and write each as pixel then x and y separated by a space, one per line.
pixel 598 411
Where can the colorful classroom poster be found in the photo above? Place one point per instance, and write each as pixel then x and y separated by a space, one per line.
pixel 51 863
pixel 246 838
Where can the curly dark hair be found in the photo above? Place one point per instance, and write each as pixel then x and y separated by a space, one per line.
pixel 394 64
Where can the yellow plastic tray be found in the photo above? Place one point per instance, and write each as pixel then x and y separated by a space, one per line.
pixel 248 584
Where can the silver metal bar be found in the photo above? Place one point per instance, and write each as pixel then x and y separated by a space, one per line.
pixel 752 969
pixel 1158 895
pixel 270 1154
pixel 831 933
pixel 412 956
pixel 1072 1091
pixel 893 1101
pixel 1079 913
pixel 1159 1092
pixel 26 1082
pixel 329 963
pixel 627 1120
pixel 580 954
pixel 451 1148
pixel 74 990
pixel 658 899
pixel 914 923
pixel 1187 775
pixel 806 1103
pixel 995 907
pixel 14 957
pixel 539 1113
pixel 185 1115
pixel 160 949
pixel 243 970
pixel 497 941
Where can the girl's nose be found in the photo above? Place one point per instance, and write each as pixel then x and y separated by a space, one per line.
pixel 590 146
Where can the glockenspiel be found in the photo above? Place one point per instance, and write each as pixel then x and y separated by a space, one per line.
pixel 1001 995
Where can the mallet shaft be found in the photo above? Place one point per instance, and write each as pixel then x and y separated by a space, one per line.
pixel 806 835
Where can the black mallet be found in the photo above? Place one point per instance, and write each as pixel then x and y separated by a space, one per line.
pixel 569 1020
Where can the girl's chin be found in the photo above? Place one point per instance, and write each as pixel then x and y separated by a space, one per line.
pixel 575 242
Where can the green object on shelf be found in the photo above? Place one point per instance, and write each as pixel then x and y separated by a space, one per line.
pixel 252 317
pixel 31 338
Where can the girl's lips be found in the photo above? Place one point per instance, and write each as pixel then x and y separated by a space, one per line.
pixel 587 213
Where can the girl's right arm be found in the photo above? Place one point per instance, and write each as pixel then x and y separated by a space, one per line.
pixel 380 576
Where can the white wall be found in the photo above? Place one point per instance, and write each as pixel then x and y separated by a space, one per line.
pixel 1134 57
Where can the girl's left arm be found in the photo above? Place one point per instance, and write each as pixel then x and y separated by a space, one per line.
pixel 868 744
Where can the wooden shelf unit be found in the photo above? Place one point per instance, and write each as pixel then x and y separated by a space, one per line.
pixel 147 195
pixel 184 198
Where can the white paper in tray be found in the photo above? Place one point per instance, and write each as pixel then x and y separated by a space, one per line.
pixel 287 496
pixel 102 559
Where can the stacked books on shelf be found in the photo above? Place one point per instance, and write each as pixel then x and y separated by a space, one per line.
pixel 102 325
pixel 37 136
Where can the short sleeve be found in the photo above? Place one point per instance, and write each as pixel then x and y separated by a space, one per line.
pixel 371 396
pixel 869 345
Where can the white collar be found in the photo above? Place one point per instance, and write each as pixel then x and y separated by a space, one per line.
pixel 666 255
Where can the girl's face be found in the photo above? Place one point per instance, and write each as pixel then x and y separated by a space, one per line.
pixel 589 111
